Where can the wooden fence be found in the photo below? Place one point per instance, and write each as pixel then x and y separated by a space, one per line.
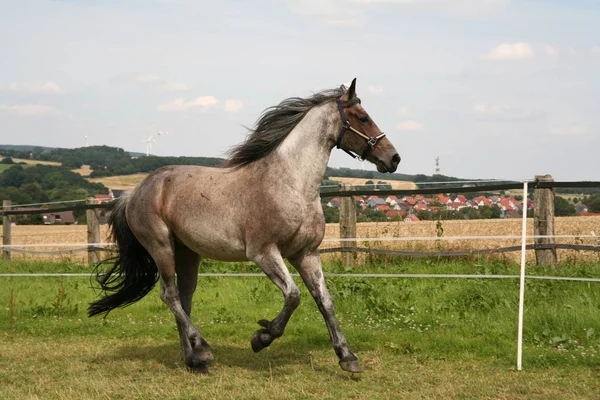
pixel 544 243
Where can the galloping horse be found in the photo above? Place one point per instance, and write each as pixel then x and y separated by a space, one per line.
pixel 179 214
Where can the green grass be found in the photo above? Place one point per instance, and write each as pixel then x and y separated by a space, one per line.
pixel 415 338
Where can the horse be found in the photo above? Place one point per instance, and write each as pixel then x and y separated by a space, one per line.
pixel 179 214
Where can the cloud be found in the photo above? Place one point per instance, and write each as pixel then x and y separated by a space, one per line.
pixel 48 87
pixel 550 51
pixel 178 105
pixel 595 50
pixel 375 89
pixel 31 110
pixel 410 126
pixel 573 130
pixel 510 52
pixel 174 87
pixel 233 105
pixel 500 112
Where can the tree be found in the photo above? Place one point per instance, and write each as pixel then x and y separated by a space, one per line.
pixel 594 205
pixel 562 208
pixel 7 160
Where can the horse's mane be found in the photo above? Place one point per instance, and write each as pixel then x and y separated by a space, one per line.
pixel 274 125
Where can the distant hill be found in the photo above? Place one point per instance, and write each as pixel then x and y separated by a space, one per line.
pixel 44 149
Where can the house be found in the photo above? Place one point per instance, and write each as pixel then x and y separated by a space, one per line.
pixel 411 201
pixel 512 214
pixel 116 193
pixel 335 203
pixel 59 218
pixel 392 214
pixel 383 207
pixel 411 218
pixel 376 202
pixel 102 198
pixel 441 198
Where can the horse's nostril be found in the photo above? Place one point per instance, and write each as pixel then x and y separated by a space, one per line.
pixel 396 158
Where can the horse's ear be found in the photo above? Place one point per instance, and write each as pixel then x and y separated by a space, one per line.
pixel 352 91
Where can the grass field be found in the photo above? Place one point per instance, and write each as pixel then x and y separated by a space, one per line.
pixel 406 185
pixel 415 338
pixel 121 182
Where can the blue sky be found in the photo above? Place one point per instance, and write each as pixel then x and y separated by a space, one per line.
pixel 495 88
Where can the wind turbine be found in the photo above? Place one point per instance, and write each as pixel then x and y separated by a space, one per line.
pixel 149 144
pixel 157 133
pixel 86 140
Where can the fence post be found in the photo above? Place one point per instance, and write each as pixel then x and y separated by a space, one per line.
pixel 347 224
pixel 6 205
pixel 543 221
pixel 93 230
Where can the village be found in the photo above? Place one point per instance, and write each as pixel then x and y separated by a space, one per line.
pixel 415 208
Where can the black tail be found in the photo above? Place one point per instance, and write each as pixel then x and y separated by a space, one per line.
pixel 133 272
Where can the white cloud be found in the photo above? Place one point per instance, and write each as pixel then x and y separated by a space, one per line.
pixel 31 110
pixel 46 87
pixel 510 52
pixel 202 102
pixel 174 87
pixel 375 89
pixel 572 130
pixel 411 126
pixel 233 105
pixel 550 51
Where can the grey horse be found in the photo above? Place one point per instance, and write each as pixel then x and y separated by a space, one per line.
pixel 179 214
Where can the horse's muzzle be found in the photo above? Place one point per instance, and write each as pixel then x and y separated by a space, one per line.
pixel 389 166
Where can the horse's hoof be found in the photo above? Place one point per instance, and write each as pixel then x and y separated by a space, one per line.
pixel 199 370
pixel 351 366
pixel 196 365
pixel 204 354
pixel 257 344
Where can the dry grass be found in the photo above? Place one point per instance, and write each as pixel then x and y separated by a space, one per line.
pixel 404 185
pixel 28 234
pixel 84 171
pixel 105 368
pixel 121 182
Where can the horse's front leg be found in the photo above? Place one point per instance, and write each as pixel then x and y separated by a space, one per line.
pixel 272 264
pixel 309 267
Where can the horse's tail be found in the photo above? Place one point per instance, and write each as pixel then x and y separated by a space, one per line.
pixel 133 272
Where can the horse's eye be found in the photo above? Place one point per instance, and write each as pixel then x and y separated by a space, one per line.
pixel 363 120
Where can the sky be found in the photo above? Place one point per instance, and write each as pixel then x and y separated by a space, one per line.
pixel 502 89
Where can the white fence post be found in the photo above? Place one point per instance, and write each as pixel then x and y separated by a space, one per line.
pixel 522 281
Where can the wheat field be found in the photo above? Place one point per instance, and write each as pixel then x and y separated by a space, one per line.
pixel 77 235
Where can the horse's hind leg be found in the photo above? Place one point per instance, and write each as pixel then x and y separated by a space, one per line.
pixel 161 246
pixel 186 266
pixel 274 267
pixel 309 268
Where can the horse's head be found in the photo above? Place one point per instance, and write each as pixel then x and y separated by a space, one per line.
pixel 361 137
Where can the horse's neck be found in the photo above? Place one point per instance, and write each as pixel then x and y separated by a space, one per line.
pixel 304 154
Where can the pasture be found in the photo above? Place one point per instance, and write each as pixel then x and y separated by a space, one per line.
pixel 415 338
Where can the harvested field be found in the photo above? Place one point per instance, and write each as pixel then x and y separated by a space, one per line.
pixel 48 234
pixel 405 185
pixel 121 182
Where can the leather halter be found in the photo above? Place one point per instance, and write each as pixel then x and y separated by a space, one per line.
pixel 371 140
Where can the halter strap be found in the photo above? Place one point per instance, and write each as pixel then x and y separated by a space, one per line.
pixel 371 140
